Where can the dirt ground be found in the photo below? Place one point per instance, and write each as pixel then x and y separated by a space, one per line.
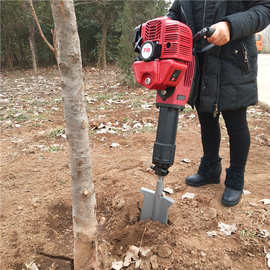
pixel 36 207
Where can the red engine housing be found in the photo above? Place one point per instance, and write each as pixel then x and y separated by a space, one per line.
pixel 174 66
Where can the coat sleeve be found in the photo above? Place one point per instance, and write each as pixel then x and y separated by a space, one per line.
pixel 253 20
pixel 175 11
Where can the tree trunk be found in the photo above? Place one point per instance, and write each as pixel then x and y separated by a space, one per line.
pixel 9 54
pixel 83 195
pixel 102 59
pixel 32 44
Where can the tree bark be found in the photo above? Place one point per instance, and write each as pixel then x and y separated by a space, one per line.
pixel 83 195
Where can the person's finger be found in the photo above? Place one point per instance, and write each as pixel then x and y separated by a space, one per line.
pixel 214 38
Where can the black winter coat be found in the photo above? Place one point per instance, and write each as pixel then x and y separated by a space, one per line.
pixel 229 76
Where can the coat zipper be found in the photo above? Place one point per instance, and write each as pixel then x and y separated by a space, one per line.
pixel 216 109
pixel 204 13
pixel 184 15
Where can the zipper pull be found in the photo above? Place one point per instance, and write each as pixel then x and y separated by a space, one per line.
pixel 246 61
pixel 215 112
pixel 245 56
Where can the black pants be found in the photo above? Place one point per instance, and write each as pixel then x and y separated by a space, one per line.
pixel 238 131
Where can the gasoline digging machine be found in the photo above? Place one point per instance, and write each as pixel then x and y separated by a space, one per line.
pixel 165 63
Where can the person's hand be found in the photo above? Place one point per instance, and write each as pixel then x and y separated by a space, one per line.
pixel 221 35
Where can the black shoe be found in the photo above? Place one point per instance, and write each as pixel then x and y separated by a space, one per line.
pixel 234 183
pixel 231 197
pixel 197 180
pixel 208 173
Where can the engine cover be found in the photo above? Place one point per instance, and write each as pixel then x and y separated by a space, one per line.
pixel 165 59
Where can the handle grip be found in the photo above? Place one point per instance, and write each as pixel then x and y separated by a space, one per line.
pixel 210 31
pixel 206 32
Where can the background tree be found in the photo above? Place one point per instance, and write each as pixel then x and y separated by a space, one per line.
pixel 32 45
pixel 54 46
pixel 31 38
pixel 83 195
pixel 101 23
pixel 88 29
pixel 14 34
pixel 107 12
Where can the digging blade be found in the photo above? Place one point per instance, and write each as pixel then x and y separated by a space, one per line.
pixel 155 204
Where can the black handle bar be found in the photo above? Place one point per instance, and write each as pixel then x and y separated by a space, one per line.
pixel 137 39
pixel 205 32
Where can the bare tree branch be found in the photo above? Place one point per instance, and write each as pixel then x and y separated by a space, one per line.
pixel 39 27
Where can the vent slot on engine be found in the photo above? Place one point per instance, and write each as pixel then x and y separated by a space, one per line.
pixel 153 30
pixel 189 74
pixel 185 47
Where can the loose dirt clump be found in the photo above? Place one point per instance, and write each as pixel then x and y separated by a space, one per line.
pixel 36 207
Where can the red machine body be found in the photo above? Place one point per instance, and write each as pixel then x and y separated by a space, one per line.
pixel 166 64
pixel 166 61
